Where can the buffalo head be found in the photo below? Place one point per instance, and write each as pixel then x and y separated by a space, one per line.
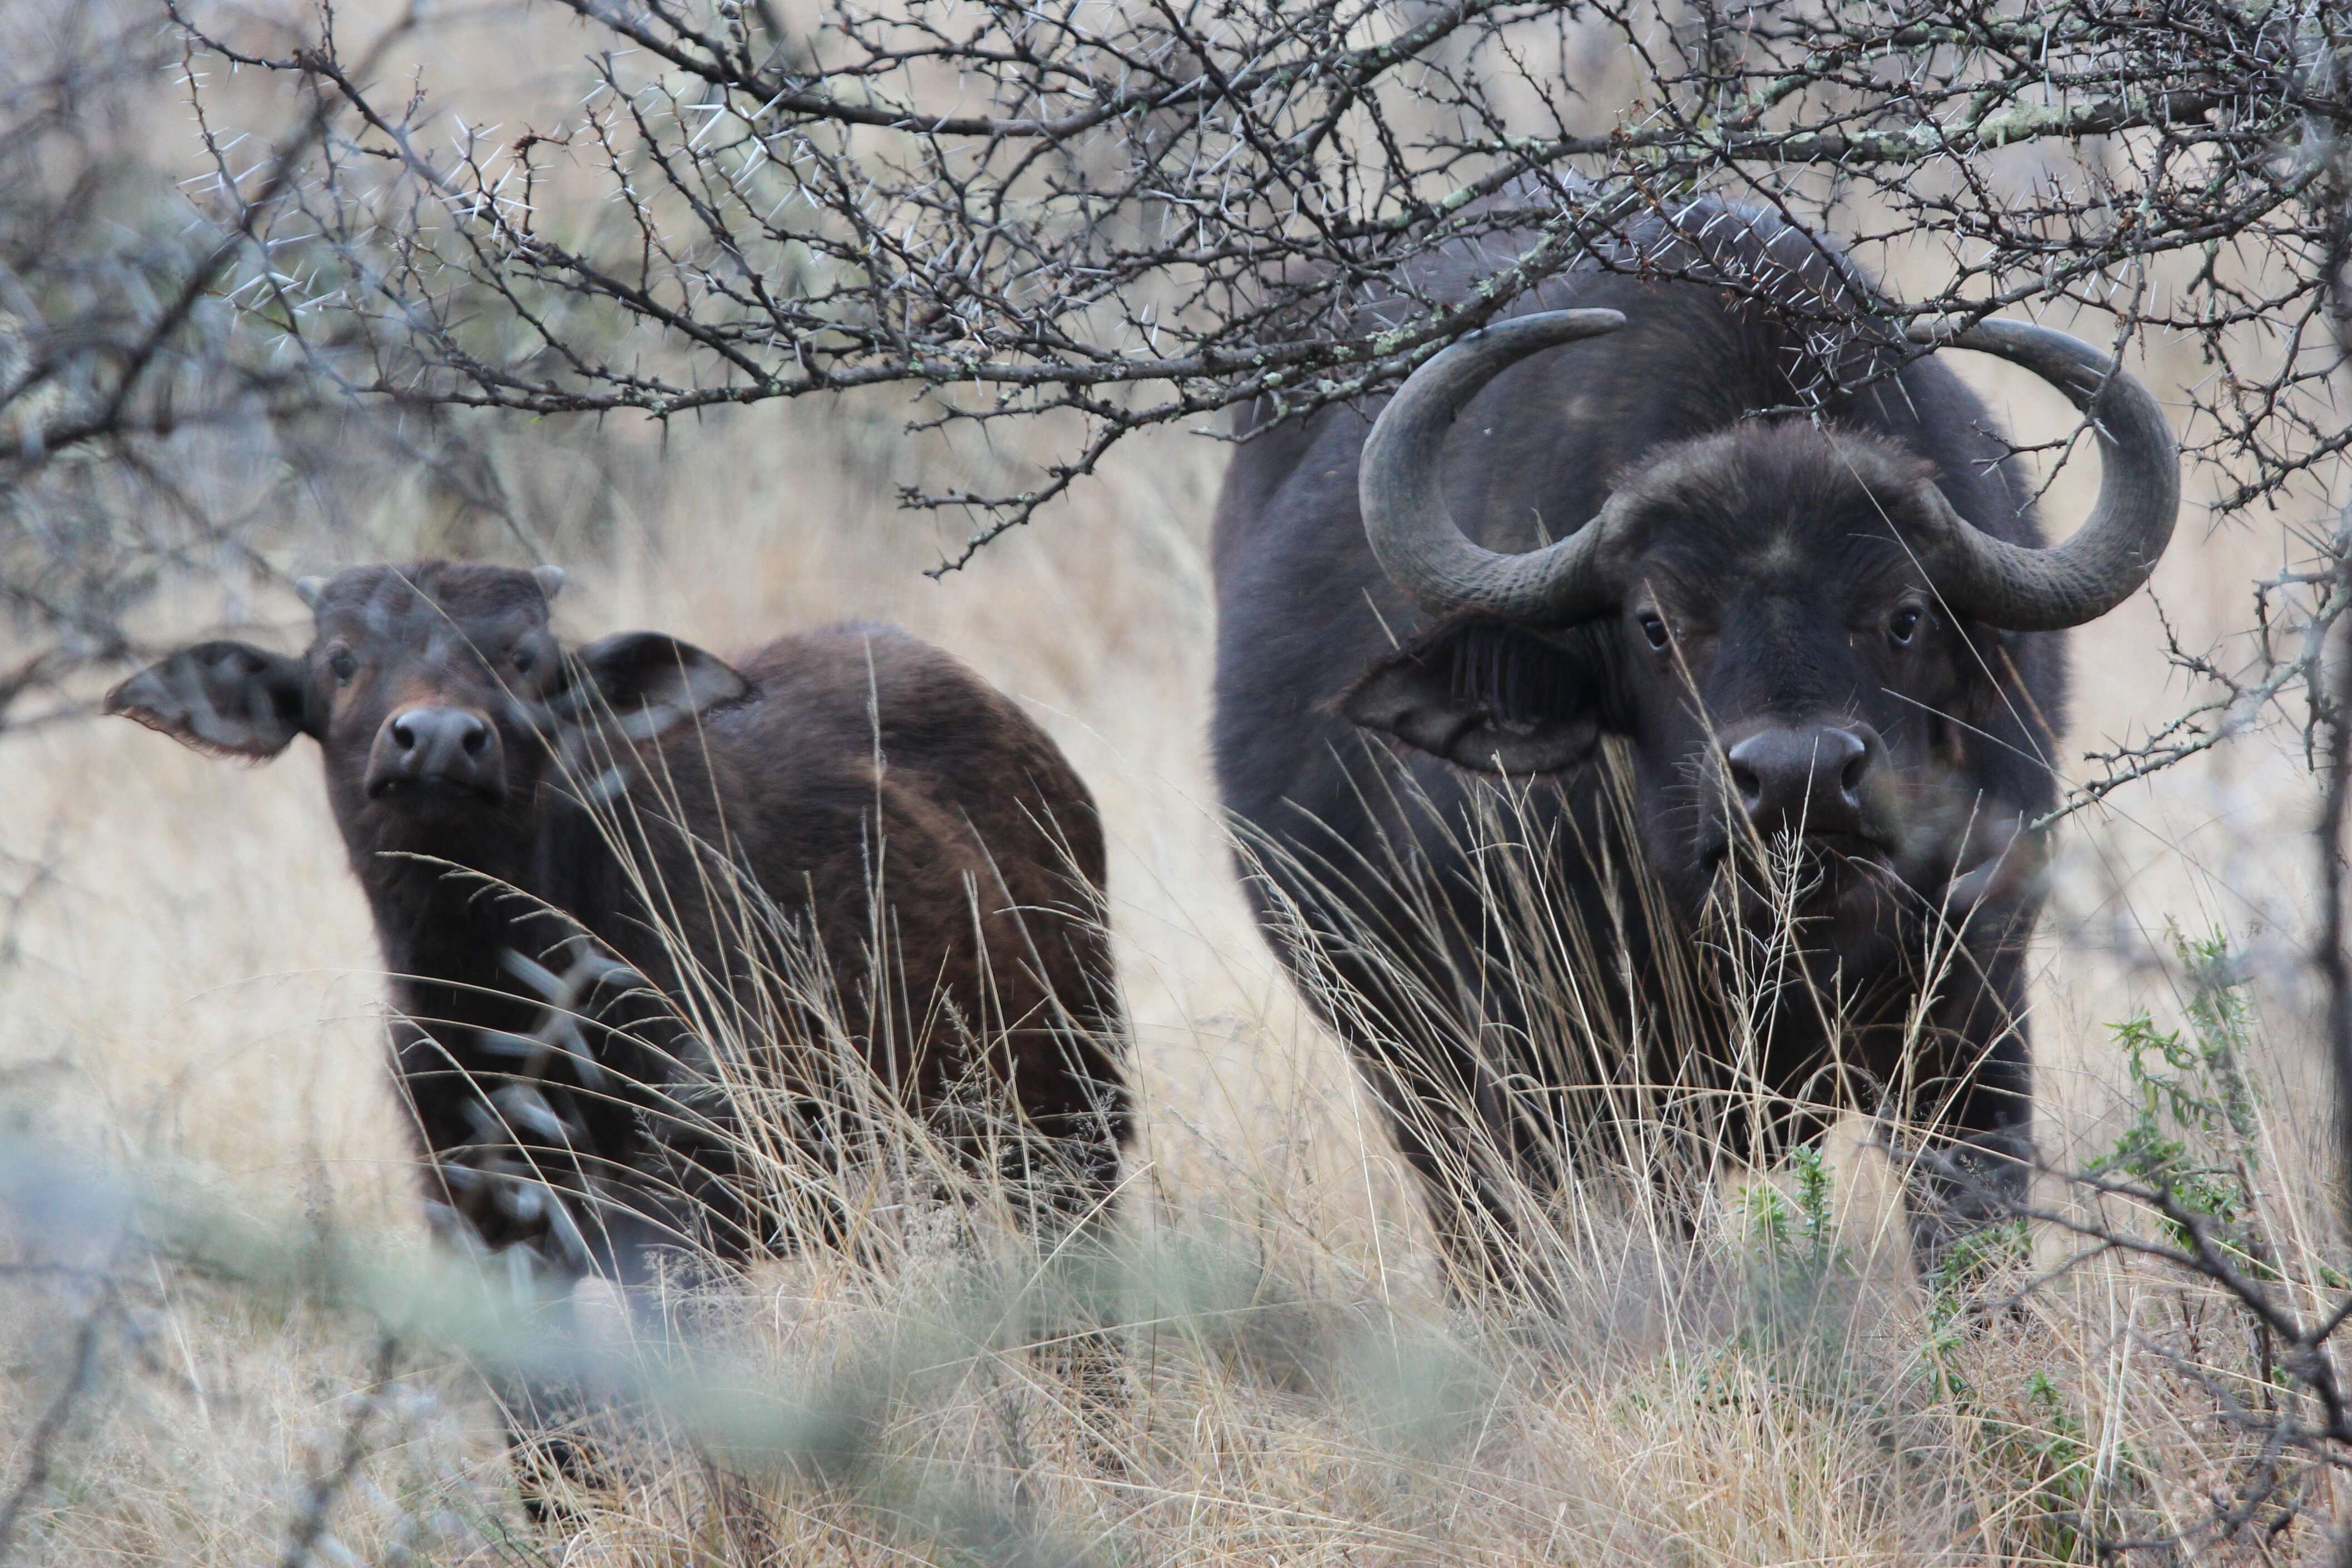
pixel 1788 624
pixel 439 696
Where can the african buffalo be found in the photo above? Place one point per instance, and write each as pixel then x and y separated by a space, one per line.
pixel 1696 523
pixel 625 892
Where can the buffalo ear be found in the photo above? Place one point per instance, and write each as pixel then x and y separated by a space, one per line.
pixel 650 682
pixel 1487 695
pixel 229 698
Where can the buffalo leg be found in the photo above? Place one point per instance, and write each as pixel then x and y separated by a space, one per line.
pixel 564 1414
pixel 1456 1141
pixel 1070 1158
pixel 547 1416
pixel 1975 1098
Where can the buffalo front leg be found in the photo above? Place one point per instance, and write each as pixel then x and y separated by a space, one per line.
pixel 1477 1177
pixel 561 1379
pixel 1972 1096
pixel 552 1414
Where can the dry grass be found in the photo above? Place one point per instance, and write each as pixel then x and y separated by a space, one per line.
pixel 194 982
pixel 199 973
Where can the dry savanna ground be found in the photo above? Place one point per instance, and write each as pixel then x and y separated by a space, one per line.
pixel 189 985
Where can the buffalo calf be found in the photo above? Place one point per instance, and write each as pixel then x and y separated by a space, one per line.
pixel 645 910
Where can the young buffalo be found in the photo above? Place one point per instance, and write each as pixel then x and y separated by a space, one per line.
pixel 627 891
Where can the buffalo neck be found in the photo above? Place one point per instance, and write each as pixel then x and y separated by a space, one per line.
pixel 462 923
pixel 449 917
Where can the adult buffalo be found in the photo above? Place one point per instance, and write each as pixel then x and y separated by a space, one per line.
pixel 657 925
pixel 1785 574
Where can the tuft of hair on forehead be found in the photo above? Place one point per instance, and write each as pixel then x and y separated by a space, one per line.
pixel 463 590
pixel 1783 478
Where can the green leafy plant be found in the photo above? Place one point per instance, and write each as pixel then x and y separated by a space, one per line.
pixel 1797 1232
pixel 2193 1134
pixel 1802 1280
pixel 2026 1436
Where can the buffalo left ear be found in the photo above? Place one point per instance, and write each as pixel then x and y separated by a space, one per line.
pixel 650 682
pixel 1487 695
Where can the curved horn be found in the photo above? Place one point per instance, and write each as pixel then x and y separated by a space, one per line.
pixel 2029 590
pixel 1417 543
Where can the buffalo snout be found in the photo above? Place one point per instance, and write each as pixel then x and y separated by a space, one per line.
pixel 1805 779
pixel 438 751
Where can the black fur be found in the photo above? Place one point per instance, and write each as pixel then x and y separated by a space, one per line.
pixel 1773 491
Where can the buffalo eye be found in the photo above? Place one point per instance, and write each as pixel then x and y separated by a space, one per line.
pixel 342 665
pixel 523 659
pixel 1904 625
pixel 1654 628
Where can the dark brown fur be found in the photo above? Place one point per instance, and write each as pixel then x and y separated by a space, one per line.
pixel 848 802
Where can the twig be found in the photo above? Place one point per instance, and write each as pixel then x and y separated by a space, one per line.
pixel 330 1485
pixel 41 1447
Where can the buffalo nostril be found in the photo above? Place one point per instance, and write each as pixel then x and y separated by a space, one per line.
pixel 477 737
pixel 1850 778
pixel 1751 786
pixel 403 735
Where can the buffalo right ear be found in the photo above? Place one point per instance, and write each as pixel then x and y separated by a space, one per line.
pixel 228 698
pixel 1488 695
